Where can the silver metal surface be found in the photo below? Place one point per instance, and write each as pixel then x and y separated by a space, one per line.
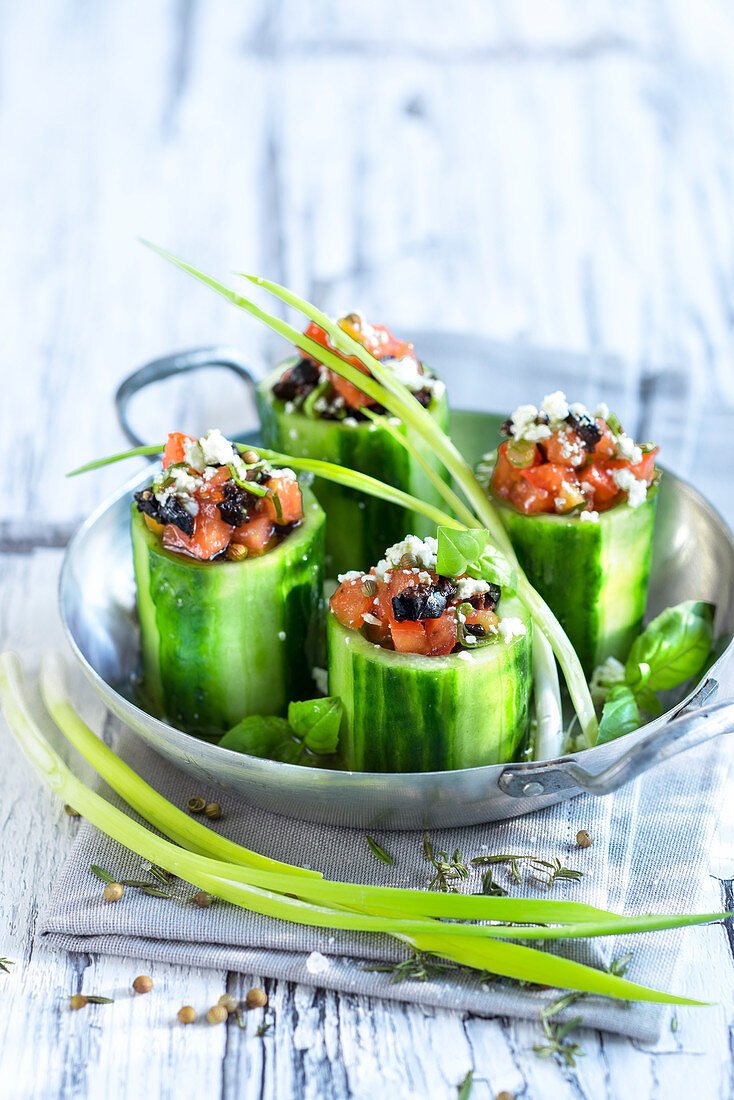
pixel 693 558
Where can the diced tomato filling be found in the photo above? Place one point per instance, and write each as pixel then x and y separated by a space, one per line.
pixel 376 615
pixel 212 534
pixel 376 339
pixel 562 473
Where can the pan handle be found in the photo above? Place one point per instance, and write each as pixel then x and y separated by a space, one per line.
pixel 178 363
pixel 689 729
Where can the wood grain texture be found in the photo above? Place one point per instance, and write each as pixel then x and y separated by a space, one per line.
pixel 540 172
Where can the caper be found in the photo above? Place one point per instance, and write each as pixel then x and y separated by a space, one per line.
pixel 112 891
pixel 369 586
pixel 187 1014
pixel 196 805
pixel 143 984
pixel 256 998
pixel 213 811
pixel 236 552
pixel 584 839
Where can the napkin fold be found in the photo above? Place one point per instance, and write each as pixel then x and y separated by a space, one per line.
pixel 650 849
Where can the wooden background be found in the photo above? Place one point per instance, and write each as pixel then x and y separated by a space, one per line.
pixel 537 171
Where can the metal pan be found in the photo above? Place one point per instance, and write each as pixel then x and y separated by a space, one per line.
pixel 693 558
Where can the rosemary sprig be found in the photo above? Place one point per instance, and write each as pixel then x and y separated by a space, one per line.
pixel 545 872
pixel 160 875
pixel 154 892
pixel 5 963
pixel 449 869
pixel 420 966
pixel 378 851
pixel 105 876
pixel 466 1086
pixel 490 888
pixel 99 1000
pixel 556 1034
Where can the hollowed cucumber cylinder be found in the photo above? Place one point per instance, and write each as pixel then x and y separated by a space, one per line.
pixel 224 639
pixel 358 526
pixel 593 575
pixel 404 712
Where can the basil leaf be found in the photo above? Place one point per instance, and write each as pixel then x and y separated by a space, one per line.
pixel 620 715
pixel 257 735
pixel 492 566
pixel 456 549
pixel 316 722
pixel 673 648
pixel 648 700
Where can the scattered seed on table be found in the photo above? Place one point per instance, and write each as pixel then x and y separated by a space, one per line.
pixel 229 1001
pixel 256 998
pixel 584 839
pixel 143 984
pixel 78 1001
pixel 213 811
pixel 217 1014
pixel 71 811
pixel 187 1014
pixel 202 899
pixel 113 891
pixel 196 805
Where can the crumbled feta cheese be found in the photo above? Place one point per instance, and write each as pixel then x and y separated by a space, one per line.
pixel 407 371
pixel 423 577
pixel 605 675
pixel 350 422
pixel 602 410
pixel 589 517
pixel 424 551
pixel 511 628
pixel 578 409
pixel 635 488
pixel 284 473
pixel 216 449
pixel 466 587
pixel 316 963
pixel 523 426
pixel 372 619
pixel 281 635
pixel 628 449
pixel 289 407
pixel 321 679
pixel 293 433
pixel 320 404
pixel 352 575
pixel 470 639
pixel 556 406
pixel 464 656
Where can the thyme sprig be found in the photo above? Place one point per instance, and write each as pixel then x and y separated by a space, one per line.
pixel 558 1044
pixel 420 966
pixel 5 963
pixel 378 851
pixel 545 872
pixel 449 869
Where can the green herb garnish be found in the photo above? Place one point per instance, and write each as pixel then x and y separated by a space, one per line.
pixel 378 851
pixel 105 876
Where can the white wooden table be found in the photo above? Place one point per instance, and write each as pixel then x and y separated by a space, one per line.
pixel 527 170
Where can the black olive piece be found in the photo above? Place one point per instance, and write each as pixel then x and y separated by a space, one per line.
pixel 171 511
pixel 423 397
pixel 423 601
pixel 233 508
pixel 298 382
pixel 506 427
pixel 475 629
pixel 589 432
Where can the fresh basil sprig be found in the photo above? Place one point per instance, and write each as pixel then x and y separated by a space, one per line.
pixel 312 730
pixel 673 648
pixel 469 552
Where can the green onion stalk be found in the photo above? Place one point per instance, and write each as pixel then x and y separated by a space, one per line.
pixel 279 890
pixel 383 387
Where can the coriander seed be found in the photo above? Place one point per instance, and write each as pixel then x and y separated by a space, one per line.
pixel 369 586
pixel 504 1095
pixel 584 839
pixel 187 1014
pixel 196 805
pixel 236 552
pixel 256 998
pixel 217 1014
pixel 78 1001
pixel 250 457
pixel 112 891
pixel 202 899
pixel 213 811
pixel 143 984
pixel 408 561
pixel 229 1001
pixel 71 811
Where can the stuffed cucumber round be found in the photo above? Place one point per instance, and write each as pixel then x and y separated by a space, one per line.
pixel 309 411
pixel 237 632
pixel 577 497
pixel 433 675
